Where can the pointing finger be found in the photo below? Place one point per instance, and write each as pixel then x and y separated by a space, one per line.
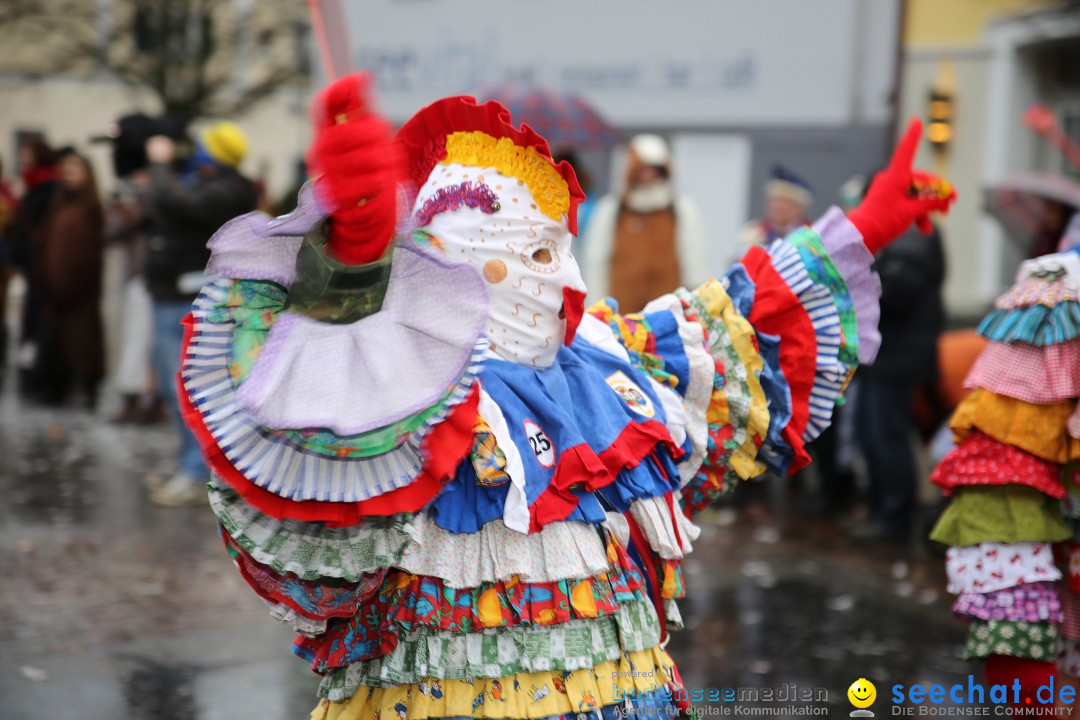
pixel 904 155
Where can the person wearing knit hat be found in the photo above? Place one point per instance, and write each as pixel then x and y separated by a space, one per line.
pixel 222 145
pixel 225 142
pixel 787 200
pixel 184 209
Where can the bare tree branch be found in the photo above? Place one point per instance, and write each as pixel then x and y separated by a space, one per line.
pixel 198 57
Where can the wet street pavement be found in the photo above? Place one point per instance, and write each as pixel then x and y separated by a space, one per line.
pixel 112 608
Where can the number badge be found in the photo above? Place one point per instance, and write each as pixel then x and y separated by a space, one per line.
pixel 542 446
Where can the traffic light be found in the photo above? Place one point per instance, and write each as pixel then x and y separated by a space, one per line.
pixel 940 129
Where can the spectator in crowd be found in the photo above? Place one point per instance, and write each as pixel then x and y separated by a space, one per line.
pixel 71 346
pixel 128 226
pixel 912 272
pixel 646 241
pixel 37 168
pixel 9 204
pixel 787 201
pixel 185 209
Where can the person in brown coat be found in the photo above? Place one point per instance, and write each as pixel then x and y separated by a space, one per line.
pixel 646 240
pixel 69 271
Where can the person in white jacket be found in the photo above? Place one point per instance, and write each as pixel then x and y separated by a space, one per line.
pixel 644 241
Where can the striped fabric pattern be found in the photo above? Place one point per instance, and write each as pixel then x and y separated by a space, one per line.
pixel 823 271
pixel 817 301
pixel 1036 325
pixel 271 461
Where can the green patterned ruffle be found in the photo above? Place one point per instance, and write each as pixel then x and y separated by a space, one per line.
pixel 823 271
pixel 1000 513
pixel 1037 641
pixel 252 306
pixel 499 652
pixel 568 550
pixel 310 550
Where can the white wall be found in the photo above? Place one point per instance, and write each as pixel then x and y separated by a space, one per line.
pixel 693 63
pixel 712 169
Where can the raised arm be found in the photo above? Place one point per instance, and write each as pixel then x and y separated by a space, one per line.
pixel 356 170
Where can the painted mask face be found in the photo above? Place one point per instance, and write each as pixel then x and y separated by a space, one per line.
pixel 491 221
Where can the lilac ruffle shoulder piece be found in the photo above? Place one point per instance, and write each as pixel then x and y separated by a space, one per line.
pixel 352 378
pixel 844 244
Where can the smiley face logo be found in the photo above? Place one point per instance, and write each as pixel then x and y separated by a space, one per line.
pixel 862 693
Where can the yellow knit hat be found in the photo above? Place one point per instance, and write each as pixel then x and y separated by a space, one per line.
pixel 225 142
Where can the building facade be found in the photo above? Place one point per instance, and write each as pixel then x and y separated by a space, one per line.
pixel 735 86
pixel 993 58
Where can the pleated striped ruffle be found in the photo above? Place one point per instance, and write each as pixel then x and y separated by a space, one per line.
pixel 830 375
pixel 272 461
pixel 1036 325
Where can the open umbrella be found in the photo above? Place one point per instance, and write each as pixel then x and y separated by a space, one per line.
pixel 565 120
pixel 1019 202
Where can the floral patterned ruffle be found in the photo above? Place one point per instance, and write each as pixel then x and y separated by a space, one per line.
pixel 988 567
pixel 407 602
pixel 737 416
pixel 575 645
pixel 311 550
pixel 312 600
pixel 527 695
pixel 981 460
pixel 1037 641
pixel 1035 290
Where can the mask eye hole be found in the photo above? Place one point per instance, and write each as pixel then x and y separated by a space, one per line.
pixel 541 256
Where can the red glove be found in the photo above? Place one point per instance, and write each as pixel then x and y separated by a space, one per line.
pixel 899 196
pixel 357 170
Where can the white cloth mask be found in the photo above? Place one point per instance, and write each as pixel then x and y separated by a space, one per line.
pixel 523 255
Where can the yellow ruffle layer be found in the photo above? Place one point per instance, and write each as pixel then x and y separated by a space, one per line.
pixel 1038 429
pixel 546 185
pixel 744 460
pixel 526 695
